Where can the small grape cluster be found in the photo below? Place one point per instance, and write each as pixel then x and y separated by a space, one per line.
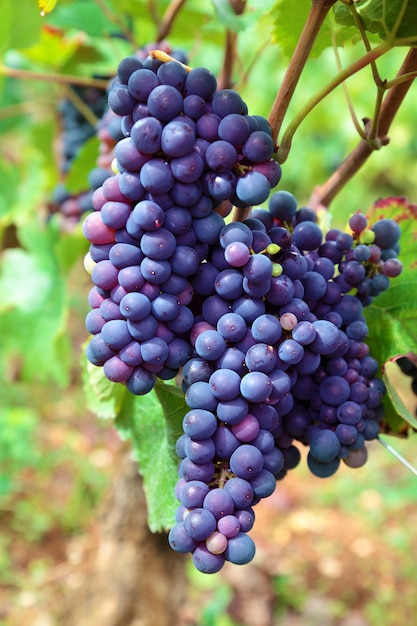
pixel 76 130
pixel 263 318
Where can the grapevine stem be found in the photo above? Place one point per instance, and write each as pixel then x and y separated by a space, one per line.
pixel 317 15
pixel 398 456
pixel 225 80
pixel 168 18
pixel 63 79
pixel 359 25
pixel 324 194
pixel 285 146
pixel 353 115
pixel 373 134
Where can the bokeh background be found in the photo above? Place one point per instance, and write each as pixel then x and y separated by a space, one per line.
pixel 334 552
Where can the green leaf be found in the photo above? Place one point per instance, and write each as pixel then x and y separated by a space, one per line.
pixel 85 16
pixel 289 23
pixel 103 397
pixel 32 322
pixel 153 424
pixel 392 316
pixel 17 31
pixel 77 179
pixel 389 19
pixel 398 416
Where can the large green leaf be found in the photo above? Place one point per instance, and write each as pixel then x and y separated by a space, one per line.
pixel 85 16
pixel 390 19
pixel 20 24
pixel 103 397
pixel 153 424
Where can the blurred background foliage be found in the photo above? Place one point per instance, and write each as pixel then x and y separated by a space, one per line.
pixel 55 457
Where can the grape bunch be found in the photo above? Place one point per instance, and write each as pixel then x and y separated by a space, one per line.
pixel 279 357
pixel 155 220
pixel 262 319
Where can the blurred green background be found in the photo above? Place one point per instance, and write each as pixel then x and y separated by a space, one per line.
pixel 335 552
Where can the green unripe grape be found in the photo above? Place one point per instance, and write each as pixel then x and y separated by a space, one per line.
pixel 273 248
pixel 276 269
pixel 367 237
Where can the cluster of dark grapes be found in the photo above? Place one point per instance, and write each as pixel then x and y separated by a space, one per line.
pixel 75 131
pixel 263 319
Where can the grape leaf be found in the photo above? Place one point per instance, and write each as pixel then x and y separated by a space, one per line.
pixel 389 19
pixel 33 316
pixel 398 417
pixel 103 397
pixel 153 424
pixel 289 23
pixel 392 316
pixel 84 16
pixel 16 32
pixel 247 19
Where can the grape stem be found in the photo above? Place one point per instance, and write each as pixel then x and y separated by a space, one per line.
pixel 369 57
pixel 316 17
pixel 398 456
pixel 324 194
pixel 168 18
pixel 225 78
pixel 62 79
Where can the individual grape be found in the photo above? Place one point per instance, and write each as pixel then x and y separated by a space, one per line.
pixel 252 188
pixel 200 524
pixel 156 176
pixel 199 424
pixel 226 102
pixel 177 138
pixel 207 562
pixel 387 233
pixel 322 469
pixel 225 384
pixel 246 461
pixel 258 147
pixel 234 128
pixel 283 206
pixel 146 135
pixel 255 386
pixel 240 549
pixel 307 236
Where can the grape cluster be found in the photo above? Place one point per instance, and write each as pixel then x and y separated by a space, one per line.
pixel 263 318
pixel 155 220
pixel 279 357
